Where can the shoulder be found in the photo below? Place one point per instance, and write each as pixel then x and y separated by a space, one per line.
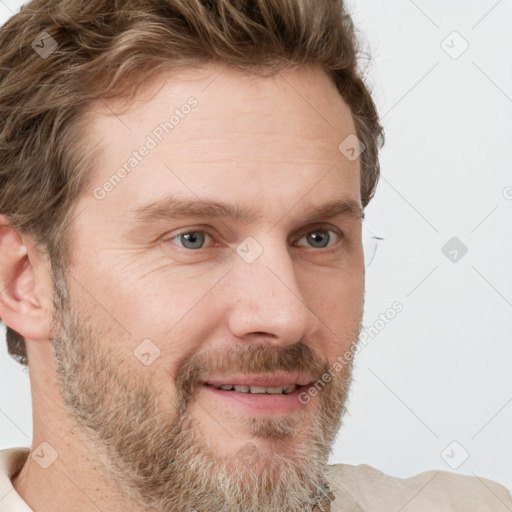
pixel 12 460
pixel 443 491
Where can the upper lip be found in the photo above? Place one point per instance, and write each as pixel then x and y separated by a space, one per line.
pixel 269 380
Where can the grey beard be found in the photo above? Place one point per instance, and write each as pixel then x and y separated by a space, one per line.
pixel 162 462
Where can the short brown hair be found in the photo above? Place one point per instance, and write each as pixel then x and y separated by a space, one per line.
pixel 107 49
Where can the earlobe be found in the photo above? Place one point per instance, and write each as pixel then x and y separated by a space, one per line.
pixel 24 290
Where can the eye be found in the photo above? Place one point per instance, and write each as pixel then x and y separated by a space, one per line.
pixel 191 239
pixel 320 238
pixel 196 239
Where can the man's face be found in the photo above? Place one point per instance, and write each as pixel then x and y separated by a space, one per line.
pixel 190 338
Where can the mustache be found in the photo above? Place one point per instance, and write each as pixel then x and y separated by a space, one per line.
pixel 253 358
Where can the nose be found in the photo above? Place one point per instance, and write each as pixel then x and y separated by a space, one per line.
pixel 269 304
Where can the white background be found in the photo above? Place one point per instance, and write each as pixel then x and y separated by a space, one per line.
pixel 439 374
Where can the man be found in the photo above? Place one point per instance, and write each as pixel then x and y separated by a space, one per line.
pixel 183 187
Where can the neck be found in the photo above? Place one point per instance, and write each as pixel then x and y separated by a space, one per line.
pixel 64 470
pixel 60 474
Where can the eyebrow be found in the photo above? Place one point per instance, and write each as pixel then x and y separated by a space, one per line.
pixel 170 208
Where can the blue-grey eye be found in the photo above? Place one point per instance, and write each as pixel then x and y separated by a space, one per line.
pixel 192 239
pixel 319 238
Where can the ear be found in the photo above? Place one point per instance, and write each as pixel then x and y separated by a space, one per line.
pixel 25 285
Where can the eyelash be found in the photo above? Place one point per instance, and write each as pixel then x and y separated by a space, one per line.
pixel 205 231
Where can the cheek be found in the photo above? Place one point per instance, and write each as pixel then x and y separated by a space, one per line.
pixel 150 325
pixel 155 302
pixel 337 299
pixel 334 290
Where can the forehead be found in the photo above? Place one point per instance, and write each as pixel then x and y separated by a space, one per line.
pixel 223 132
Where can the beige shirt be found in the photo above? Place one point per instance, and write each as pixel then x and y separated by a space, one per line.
pixel 356 489
pixel 366 489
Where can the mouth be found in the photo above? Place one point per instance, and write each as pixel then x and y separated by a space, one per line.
pixel 279 390
pixel 266 395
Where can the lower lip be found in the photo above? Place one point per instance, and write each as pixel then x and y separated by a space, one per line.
pixel 261 403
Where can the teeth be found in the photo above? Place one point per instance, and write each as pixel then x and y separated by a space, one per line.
pixel 259 390
pixel 275 391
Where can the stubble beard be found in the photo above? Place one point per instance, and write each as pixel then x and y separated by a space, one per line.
pixel 160 460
